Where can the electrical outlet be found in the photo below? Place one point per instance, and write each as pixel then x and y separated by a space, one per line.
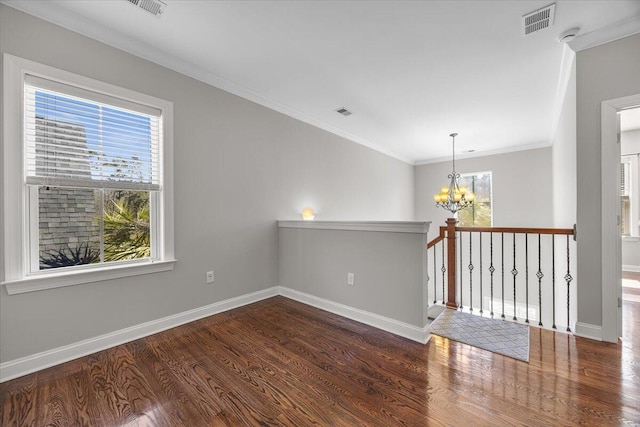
pixel 210 276
pixel 351 279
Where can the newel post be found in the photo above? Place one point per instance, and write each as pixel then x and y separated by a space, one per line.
pixel 451 262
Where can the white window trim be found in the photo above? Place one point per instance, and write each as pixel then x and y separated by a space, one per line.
pixel 16 217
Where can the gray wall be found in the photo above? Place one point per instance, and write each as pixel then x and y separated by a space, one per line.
pixel 564 160
pixel 387 267
pixel 564 167
pixel 238 168
pixel 604 72
pixel 521 187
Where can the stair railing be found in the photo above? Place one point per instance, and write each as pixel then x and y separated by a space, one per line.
pixel 493 254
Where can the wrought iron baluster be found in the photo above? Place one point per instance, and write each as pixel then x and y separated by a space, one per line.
pixel 568 279
pixel 502 254
pixel 481 273
pixel 553 278
pixel 514 272
pixel 526 275
pixel 460 271
pixel 470 274
pixel 444 270
pixel 492 269
pixel 539 275
pixel 435 278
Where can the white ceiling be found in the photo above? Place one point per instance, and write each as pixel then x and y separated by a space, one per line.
pixel 411 72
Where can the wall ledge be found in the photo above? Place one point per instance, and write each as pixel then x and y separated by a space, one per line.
pixel 416 227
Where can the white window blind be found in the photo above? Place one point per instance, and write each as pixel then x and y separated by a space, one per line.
pixel 625 170
pixel 80 138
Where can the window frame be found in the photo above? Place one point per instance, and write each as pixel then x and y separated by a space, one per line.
pixel 490 173
pixel 626 184
pixel 17 276
pixel 632 161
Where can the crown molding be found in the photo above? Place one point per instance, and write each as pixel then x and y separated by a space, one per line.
pixel 475 154
pixel 606 34
pixel 73 22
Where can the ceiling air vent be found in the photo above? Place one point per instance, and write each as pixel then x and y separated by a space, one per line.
pixel 538 20
pixel 343 111
pixel 155 7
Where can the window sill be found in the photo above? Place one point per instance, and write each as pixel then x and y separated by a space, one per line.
pixel 630 238
pixel 59 280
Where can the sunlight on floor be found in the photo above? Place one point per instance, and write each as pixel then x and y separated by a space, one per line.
pixel 630 289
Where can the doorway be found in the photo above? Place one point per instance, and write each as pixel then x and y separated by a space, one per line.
pixel 630 205
pixel 611 204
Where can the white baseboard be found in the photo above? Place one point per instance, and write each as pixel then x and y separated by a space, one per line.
pixel 396 327
pixel 587 330
pixel 36 362
pixel 634 268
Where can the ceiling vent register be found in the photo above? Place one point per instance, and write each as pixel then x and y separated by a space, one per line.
pixel 538 20
pixel 343 111
pixel 154 7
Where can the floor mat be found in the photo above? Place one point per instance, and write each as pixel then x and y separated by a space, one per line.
pixel 498 336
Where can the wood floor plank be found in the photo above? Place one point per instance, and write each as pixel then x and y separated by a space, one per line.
pixel 19 402
pixel 282 363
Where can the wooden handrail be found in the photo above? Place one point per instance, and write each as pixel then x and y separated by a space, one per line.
pixel 439 238
pixel 517 230
pixel 449 233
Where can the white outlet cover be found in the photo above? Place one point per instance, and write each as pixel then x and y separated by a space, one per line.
pixel 351 279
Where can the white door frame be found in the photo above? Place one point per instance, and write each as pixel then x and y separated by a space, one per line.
pixel 611 240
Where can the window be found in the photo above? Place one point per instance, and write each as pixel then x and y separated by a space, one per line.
pixel 629 195
pixel 90 179
pixel 625 194
pixel 478 214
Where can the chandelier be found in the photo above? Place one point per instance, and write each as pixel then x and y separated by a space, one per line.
pixel 454 197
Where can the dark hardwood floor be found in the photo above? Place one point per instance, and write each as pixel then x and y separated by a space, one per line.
pixel 279 362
